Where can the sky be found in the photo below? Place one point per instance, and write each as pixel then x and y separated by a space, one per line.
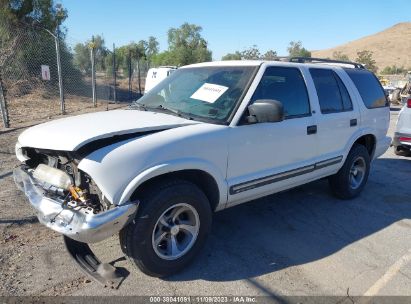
pixel 231 25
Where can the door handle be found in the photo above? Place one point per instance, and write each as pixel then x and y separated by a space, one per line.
pixel 311 130
pixel 353 122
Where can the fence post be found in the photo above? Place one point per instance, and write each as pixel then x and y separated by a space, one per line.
pixel 62 105
pixel 3 106
pixel 114 73
pixel 130 93
pixel 139 76
pixel 93 72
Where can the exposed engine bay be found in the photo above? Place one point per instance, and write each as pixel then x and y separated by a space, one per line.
pixel 58 174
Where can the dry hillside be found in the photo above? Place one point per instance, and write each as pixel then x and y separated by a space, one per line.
pixel 390 47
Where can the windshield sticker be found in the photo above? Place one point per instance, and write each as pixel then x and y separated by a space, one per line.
pixel 209 92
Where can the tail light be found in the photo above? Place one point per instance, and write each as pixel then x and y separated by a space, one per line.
pixel 409 103
pixel 405 138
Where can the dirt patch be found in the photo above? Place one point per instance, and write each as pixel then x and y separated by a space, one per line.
pixel 35 107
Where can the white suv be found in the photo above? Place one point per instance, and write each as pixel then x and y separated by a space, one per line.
pixel 208 137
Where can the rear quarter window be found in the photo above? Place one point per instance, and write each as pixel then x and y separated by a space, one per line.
pixel 369 88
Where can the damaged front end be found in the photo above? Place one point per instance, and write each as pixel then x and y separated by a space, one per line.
pixel 67 200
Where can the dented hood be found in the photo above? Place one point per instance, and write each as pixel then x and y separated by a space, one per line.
pixel 71 133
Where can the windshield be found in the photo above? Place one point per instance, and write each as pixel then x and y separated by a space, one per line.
pixel 209 93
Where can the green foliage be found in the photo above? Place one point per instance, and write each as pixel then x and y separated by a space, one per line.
pixel 394 70
pixel 252 53
pixel 26 43
pixel 185 46
pixel 82 58
pixel 163 58
pixel 152 47
pixel 44 13
pixel 296 49
pixel 365 57
pixel 232 56
pixel 133 54
pixel 338 55
pixel 270 55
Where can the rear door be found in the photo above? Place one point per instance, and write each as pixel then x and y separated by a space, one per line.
pixel 338 118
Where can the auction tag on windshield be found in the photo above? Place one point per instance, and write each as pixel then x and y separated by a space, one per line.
pixel 209 92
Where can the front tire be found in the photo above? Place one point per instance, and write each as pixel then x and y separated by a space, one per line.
pixel 352 177
pixel 170 228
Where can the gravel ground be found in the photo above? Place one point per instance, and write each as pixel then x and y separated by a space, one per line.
pixel 299 242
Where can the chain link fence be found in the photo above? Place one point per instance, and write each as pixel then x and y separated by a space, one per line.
pixel 41 76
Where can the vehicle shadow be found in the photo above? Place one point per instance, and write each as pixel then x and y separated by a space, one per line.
pixel 299 226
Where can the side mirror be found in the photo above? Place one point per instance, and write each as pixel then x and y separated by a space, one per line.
pixel 265 110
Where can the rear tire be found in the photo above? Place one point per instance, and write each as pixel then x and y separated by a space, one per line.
pixel 170 228
pixel 352 177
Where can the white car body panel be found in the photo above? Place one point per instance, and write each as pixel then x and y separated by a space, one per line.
pixel 120 168
pixel 404 121
pixel 69 134
pixel 372 121
pixel 403 126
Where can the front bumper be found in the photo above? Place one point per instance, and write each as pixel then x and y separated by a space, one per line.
pixel 79 224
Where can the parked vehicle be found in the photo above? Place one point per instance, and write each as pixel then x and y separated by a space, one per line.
pixel 208 137
pixel 402 135
pixel 156 75
pixel 389 90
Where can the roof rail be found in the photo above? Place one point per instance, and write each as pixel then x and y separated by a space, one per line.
pixel 319 60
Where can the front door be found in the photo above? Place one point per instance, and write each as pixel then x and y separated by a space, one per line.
pixel 268 157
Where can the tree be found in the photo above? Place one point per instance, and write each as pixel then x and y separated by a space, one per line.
pixel 270 55
pixel 365 57
pixel 232 56
pixel 393 70
pixel 152 47
pixel 252 53
pixel 185 46
pixel 26 42
pixel 82 54
pixel 296 49
pixel 338 55
pixel 44 13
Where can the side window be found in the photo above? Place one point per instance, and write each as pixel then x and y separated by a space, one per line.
pixel 346 99
pixel 287 86
pixel 332 94
pixel 369 88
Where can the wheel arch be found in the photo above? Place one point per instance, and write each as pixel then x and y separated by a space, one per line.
pixel 207 179
pixel 369 141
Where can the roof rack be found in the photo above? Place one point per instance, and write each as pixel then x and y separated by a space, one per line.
pixel 319 60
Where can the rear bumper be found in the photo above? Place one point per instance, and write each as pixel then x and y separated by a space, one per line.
pixel 396 141
pixel 79 224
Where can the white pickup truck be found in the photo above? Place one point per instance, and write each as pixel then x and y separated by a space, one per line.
pixel 208 137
